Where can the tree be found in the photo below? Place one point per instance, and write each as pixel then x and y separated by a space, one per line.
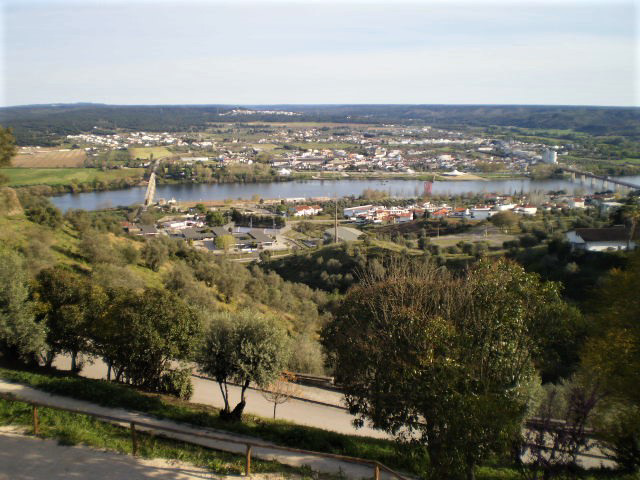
pixel 504 220
pixel 281 390
pixel 611 356
pixel 140 334
pixel 246 347
pixel 95 247
pixel 21 337
pixel 214 218
pixel 443 359
pixel 155 253
pixel 225 242
pixel 7 146
pixel 63 306
pixel 553 449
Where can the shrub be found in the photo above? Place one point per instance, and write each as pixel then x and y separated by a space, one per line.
pixel 177 383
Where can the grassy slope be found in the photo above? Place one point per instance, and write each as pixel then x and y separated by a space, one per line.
pixel 64 176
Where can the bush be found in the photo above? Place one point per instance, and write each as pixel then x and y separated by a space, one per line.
pixel 177 383
pixel 528 240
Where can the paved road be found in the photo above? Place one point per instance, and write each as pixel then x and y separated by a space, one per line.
pixel 304 413
pixel 315 462
pixel 334 418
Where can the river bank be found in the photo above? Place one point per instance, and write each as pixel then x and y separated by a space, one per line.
pixel 297 189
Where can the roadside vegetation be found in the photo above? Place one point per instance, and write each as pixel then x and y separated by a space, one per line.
pixel 75 429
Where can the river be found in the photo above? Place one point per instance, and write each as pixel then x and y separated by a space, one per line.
pixel 314 188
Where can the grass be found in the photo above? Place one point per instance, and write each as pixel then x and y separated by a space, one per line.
pixel 145 152
pixel 278 431
pixel 75 429
pixel 65 176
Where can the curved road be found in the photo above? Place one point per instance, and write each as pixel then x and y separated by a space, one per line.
pixel 302 412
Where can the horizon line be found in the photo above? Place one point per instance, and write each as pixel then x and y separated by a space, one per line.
pixel 81 103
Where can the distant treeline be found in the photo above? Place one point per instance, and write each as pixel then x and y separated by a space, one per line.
pixel 42 124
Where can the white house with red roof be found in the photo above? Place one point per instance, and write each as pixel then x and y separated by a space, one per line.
pixel 306 210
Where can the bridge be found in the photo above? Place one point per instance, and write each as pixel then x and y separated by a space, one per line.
pixel 578 175
pixel 151 187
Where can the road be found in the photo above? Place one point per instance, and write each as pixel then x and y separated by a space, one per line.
pixel 225 441
pixel 301 412
pixel 323 409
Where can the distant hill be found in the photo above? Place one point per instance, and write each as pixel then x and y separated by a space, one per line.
pixel 43 123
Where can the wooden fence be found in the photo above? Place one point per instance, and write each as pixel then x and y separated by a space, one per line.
pixel 376 466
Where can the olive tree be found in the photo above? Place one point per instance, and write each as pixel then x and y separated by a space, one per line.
pixel 442 360
pixel 21 337
pixel 245 348
pixel 63 309
pixel 140 334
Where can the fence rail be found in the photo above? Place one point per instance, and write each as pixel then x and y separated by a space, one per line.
pixel 249 445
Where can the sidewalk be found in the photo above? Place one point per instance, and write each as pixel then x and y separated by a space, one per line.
pixel 316 463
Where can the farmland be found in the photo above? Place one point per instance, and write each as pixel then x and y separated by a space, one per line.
pixel 31 158
pixel 65 176
pixel 145 152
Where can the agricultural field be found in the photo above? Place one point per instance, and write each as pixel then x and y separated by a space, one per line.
pixel 32 158
pixel 145 152
pixel 64 176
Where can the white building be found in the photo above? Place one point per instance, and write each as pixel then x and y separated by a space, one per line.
pixel 576 202
pixel 526 209
pixel 306 210
pixel 550 156
pixel 355 211
pixel 602 239
pixel 482 213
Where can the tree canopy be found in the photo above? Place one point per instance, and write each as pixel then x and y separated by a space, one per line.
pixel 20 336
pixel 7 146
pixel 245 347
pixel 449 359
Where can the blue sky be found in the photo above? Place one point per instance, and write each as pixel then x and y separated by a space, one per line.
pixel 312 51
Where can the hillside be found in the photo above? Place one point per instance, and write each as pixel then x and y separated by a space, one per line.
pixel 94 246
pixel 41 124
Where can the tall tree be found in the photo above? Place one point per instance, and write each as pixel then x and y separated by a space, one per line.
pixel 246 347
pixel 140 334
pixel 63 307
pixel 611 357
pixel 21 337
pixel 448 360
pixel 7 146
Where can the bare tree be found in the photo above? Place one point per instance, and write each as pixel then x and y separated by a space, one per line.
pixel 559 434
pixel 281 390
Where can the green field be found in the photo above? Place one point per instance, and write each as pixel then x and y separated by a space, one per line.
pixel 64 176
pixel 145 152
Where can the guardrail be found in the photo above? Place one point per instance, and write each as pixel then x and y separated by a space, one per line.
pixel 249 445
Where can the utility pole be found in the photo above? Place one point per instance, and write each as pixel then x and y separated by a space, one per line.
pixel 335 219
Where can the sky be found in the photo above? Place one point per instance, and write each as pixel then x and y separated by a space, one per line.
pixel 318 52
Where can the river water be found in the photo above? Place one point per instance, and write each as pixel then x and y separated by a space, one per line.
pixel 315 188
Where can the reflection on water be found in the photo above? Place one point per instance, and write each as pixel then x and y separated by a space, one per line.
pixel 316 188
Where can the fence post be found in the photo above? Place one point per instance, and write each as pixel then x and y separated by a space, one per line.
pixel 134 439
pixel 248 465
pixel 376 471
pixel 36 423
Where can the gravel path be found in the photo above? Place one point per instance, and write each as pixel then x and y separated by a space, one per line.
pixel 317 463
